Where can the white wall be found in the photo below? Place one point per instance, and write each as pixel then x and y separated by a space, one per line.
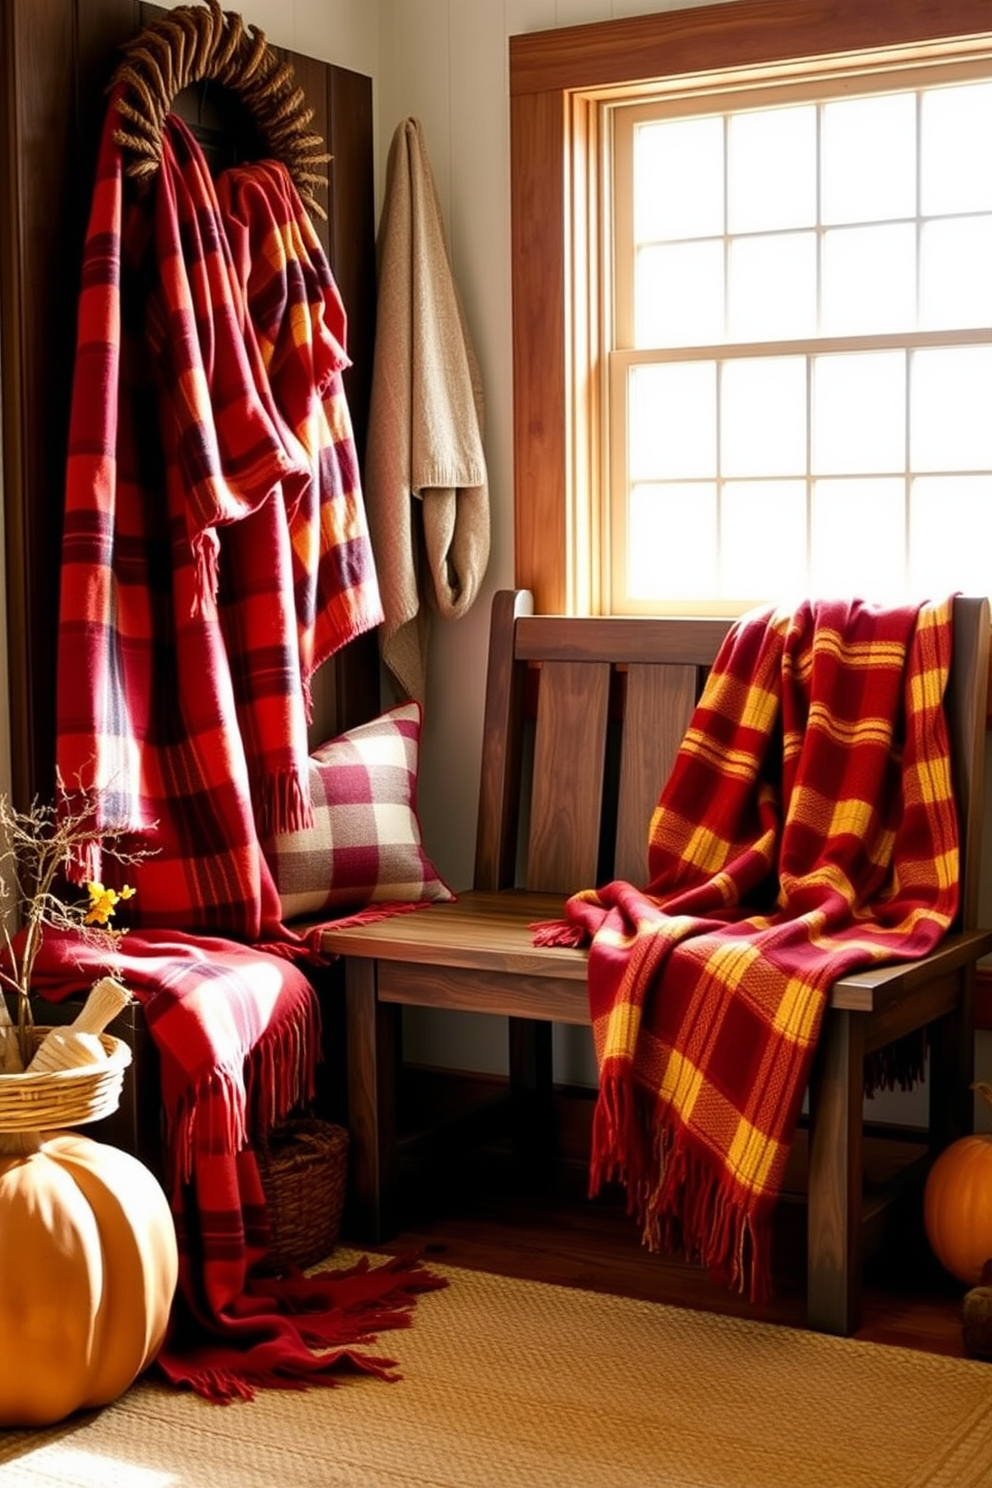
pixel 341 31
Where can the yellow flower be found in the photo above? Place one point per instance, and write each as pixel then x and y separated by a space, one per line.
pixel 102 904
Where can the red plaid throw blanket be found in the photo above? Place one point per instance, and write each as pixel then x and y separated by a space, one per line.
pixel 807 829
pixel 236 1031
pixel 198 490
pixel 214 553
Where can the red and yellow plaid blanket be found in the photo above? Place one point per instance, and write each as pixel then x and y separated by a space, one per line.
pixel 807 829
pixel 299 320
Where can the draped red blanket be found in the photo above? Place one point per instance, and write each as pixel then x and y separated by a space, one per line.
pixel 236 1031
pixel 807 828
pixel 215 551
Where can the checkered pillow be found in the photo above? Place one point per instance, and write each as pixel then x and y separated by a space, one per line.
pixel 364 846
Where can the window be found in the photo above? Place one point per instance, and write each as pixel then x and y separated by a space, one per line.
pixel 801 350
pixel 759 359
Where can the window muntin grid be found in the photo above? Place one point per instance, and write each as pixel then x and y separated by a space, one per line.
pixel 801 373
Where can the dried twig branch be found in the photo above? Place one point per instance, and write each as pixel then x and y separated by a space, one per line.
pixel 37 848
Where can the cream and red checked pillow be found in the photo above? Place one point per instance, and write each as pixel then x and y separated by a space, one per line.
pixel 365 843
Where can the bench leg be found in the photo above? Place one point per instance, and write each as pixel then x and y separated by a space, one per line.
pixel 952 1069
pixel 532 1097
pixel 836 1097
pixel 372 1043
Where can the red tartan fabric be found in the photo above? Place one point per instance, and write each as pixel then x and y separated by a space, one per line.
pixel 191 504
pixel 197 486
pixel 807 829
pixel 237 1031
pixel 300 322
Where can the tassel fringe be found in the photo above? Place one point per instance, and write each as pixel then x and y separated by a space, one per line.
pixel 682 1202
pixel 283 805
pixel 368 916
pixel 324 1320
pixel 556 933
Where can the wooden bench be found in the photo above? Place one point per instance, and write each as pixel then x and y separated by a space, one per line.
pixel 583 718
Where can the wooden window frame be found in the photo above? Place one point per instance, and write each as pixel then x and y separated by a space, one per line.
pixel 555 77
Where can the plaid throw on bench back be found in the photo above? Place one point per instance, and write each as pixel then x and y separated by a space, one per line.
pixel 807 829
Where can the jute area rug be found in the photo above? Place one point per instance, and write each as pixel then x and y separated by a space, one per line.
pixel 516 1384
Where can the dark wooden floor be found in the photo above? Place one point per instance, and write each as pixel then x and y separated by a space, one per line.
pixel 471 1209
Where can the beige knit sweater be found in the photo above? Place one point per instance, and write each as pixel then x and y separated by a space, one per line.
pixel 426 485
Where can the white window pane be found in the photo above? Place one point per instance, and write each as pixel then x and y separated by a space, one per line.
pixel 671 547
pixel 869 280
pixel 951 396
pixel 678 179
pixel 859 538
pixel 772 287
pixel 868 153
pixel 956 149
pixel 956 273
pixel 771 169
pixel 753 476
pixel 763 540
pixel 859 413
pixel 672 421
pixel 678 295
pixel 951 535
pixel 763 416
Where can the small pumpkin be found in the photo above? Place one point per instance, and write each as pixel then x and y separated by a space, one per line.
pixel 957 1203
pixel 87 1277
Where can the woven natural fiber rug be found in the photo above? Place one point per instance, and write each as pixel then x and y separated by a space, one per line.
pixel 516 1384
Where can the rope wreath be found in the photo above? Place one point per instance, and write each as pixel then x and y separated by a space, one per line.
pixel 192 44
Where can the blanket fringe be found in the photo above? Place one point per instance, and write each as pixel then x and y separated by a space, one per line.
pixel 215 1114
pixel 370 915
pixel 282 1067
pixel 901 1065
pixel 556 933
pixel 682 1202
pixel 207 1116
pixel 283 804
pixel 324 1320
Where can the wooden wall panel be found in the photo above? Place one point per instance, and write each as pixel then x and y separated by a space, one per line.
pixel 56 60
pixel 352 226
pixel 540 454
pixel 51 87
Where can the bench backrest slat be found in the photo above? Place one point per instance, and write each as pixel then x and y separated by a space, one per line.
pixel 566 798
pixel 659 704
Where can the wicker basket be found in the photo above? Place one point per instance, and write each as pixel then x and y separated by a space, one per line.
pixel 50 1099
pixel 304 1168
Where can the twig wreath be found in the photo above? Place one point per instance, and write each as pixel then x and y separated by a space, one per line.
pixel 196 43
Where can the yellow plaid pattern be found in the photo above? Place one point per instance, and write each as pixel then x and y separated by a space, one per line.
pixel 807 828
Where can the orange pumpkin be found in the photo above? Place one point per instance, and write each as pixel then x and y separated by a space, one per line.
pixel 957 1204
pixel 88 1270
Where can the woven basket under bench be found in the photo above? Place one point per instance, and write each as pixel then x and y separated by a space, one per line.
pixel 304 1168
